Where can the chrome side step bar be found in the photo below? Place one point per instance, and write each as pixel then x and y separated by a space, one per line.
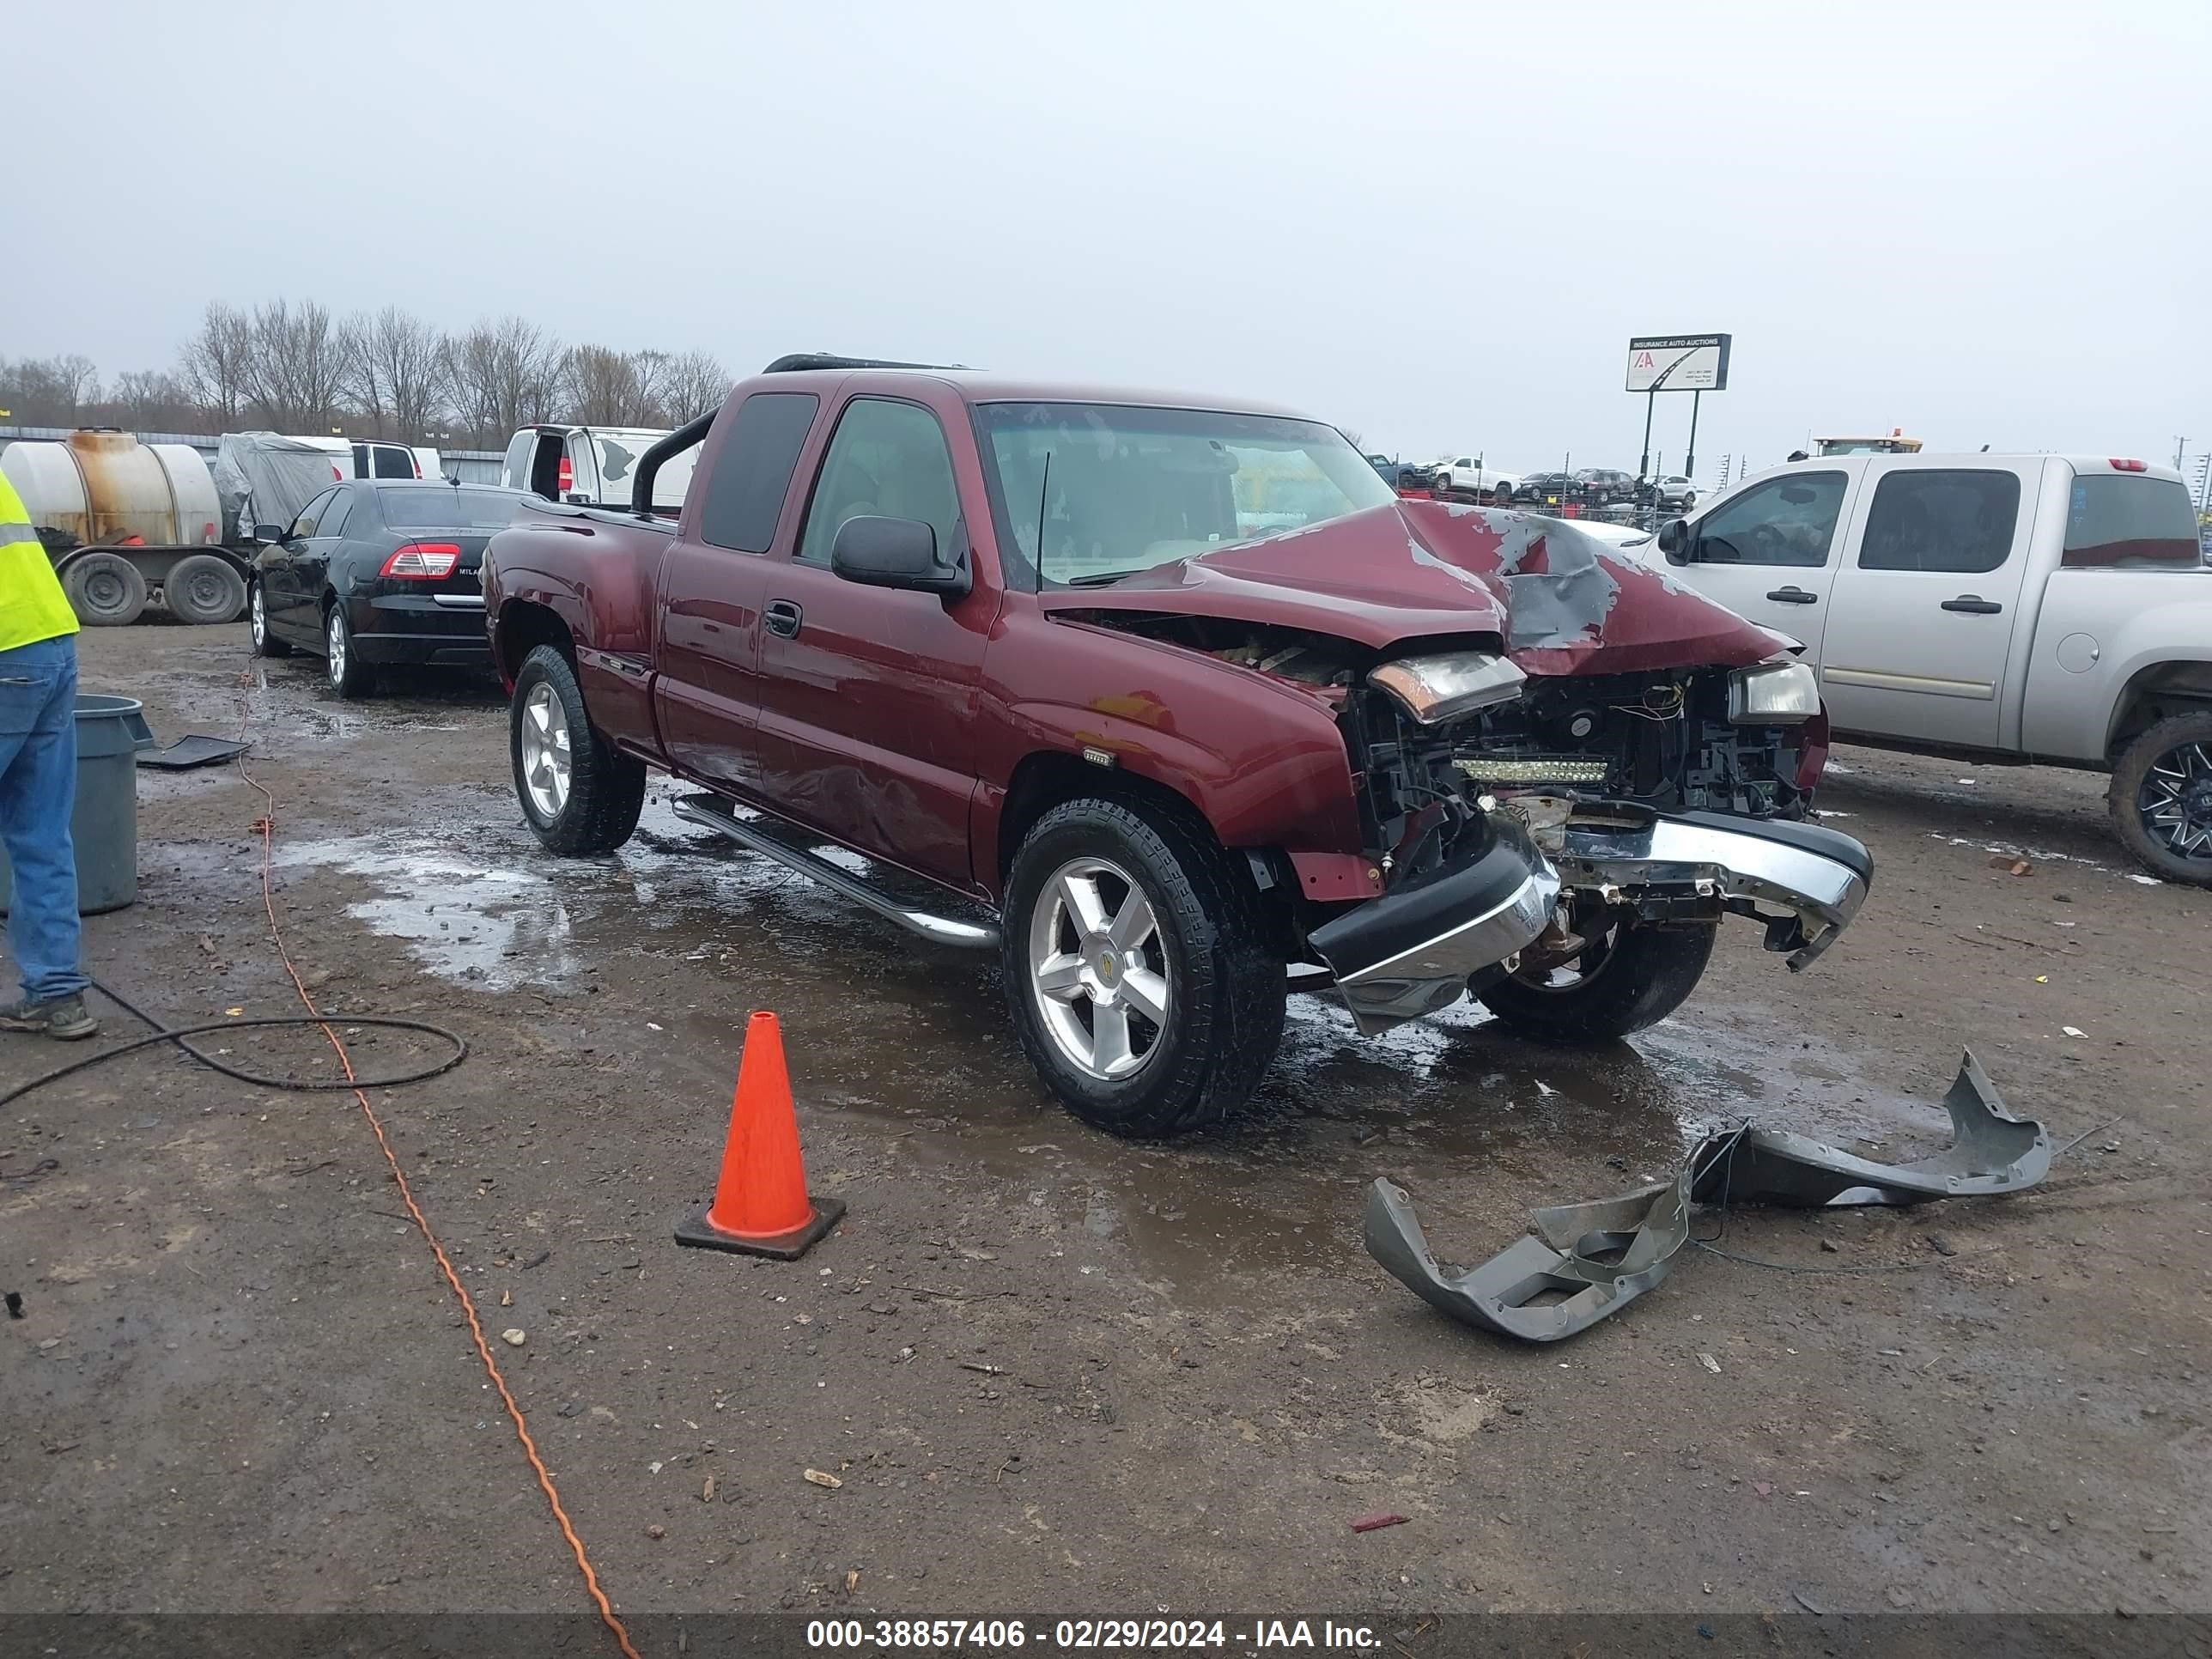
pixel 713 813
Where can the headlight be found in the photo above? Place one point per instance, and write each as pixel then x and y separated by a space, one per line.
pixel 1773 694
pixel 1433 689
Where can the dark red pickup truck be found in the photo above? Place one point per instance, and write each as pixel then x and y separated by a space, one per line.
pixel 1176 707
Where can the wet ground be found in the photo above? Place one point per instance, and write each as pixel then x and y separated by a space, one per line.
pixel 1051 1369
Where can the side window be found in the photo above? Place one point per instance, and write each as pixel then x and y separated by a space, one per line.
pixel 1788 520
pixel 333 521
pixel 888 459
pixel 752 473
pixel 1960 522
pixel 2130 524
pixel 311 515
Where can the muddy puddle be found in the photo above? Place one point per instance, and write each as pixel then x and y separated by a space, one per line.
pixel 695 933
pixel 681 932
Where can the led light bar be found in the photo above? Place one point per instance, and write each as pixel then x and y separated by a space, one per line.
pixel 1562 769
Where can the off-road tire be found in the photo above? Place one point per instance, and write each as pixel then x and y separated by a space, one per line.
pixel 343 671
pixel 2132 767
pixel 265 643
pixel 1648 973
pixel 106 589
pixel 1226 984
pixel 606 787
pixel 203 590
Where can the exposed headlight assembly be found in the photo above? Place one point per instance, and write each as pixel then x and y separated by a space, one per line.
pixel 1442 688
pixel 1773 694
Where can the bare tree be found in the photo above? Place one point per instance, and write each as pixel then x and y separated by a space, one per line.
pixel 296 373
pixel 395 373
pixel 49 390
pixel 502 375
pixel 149 400
pixel 614 388
pixel 692 383
pixel 214 363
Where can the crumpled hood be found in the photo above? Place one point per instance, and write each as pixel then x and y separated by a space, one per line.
pixel 1562 602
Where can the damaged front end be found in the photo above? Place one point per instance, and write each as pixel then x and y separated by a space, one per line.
pixel 1668 800
pixel 1552 749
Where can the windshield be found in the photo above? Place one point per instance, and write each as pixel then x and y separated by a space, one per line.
pixel 443 506
pixel 1096 491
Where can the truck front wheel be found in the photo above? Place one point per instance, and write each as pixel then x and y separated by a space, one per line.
pixel 580 793
pixel 1627 975
pixel 1138 969
pixel 2161 798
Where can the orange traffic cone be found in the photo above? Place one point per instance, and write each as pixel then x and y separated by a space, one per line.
pixel 761 1207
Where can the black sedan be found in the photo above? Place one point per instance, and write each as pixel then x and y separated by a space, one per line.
pixel 375 572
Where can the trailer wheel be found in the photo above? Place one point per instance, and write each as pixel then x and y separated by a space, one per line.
pixel 204 589
pixel 106 589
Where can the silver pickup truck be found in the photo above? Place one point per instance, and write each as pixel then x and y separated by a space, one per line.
pixel 2051 608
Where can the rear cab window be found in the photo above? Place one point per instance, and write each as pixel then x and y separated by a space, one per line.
pixel 1957 521
pixel 751 475
pixel 2121 522
pixel 393 461
pixel 1789 520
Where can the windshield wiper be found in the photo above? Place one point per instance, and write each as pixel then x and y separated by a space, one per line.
pixel 1097 579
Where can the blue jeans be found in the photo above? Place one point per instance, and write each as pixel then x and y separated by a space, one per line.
pixel 37 791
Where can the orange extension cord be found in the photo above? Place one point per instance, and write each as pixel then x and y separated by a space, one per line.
pixel 268 827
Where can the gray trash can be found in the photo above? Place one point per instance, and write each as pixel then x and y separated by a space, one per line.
pixel 110 732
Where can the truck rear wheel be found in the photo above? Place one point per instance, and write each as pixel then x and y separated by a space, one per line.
pixel 1136 967
pixel 1628 976
pixel 106 589
pixel 580 793
pixel 2161 799
pixel 204 589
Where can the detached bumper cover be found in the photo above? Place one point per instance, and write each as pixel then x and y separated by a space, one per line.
pixel 1605 1254
pixel 1412 950
pixel 1815 879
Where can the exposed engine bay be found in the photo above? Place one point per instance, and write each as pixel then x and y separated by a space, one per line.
pixel 1522 826
pixel 1557 745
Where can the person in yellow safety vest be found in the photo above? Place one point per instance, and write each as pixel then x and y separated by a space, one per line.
pixel 37 782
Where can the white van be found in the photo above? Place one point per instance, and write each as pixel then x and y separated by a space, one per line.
pixel 593 466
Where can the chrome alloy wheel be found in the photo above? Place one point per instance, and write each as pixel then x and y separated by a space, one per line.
pixel 1098 968
pixel 545 763
pixel 334 642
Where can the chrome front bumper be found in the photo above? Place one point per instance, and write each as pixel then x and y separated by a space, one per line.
pixel 1412 950
pixel 1806 882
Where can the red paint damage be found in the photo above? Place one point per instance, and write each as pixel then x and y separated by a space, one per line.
pixel 1559 601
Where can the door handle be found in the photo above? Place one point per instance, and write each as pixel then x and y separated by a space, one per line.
pixel 1793 596
pixel 783 618
pixel 1973 605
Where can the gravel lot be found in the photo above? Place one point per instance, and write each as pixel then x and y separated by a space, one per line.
pixel 1051 1369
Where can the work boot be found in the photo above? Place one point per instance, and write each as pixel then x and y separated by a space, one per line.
pixel 64 1018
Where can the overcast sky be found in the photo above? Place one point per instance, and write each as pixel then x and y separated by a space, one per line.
pixel 1436 226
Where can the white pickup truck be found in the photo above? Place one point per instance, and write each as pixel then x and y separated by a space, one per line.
pixel 2050 608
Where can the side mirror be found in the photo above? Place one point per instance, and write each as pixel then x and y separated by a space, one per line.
pixel 268 535
pixel 879 552
pixel 1675 540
